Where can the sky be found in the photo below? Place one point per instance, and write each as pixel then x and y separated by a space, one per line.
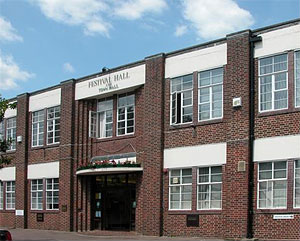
pixel 44 42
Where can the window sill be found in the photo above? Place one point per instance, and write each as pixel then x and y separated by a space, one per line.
pixel 276 211
pixel 199 212
pixel 199 123
pixel 45 211
pixel 44 147
pixel 113 138
pixel 278 112
pixel 7 211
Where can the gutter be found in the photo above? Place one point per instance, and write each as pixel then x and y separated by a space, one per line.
pixel 252 40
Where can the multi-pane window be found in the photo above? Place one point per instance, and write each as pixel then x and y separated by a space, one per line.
pixel 182 99
pixel 52 194
pixel 37 194
pixel 2 130
pixel 273 83
pixel 53 125
pixel 10 195
pixel 1 195
pixel 125 115
pixel 11 125
pixel 297 184
pixel 105 118
pixel 180 189
pixel 210 187
pixel 211 94
pixel 297 78
pixel 272 185
pixel 38 128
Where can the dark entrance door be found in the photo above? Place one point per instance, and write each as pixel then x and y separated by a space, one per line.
pixel 113 205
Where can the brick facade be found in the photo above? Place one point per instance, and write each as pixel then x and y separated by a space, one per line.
pixel 152 136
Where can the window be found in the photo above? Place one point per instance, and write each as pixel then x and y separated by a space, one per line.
pixel 273 84
pixel 1 195
pixel 210 187
pixel 52 194
pixel 37 194
pixel 272 185
pixel 53 125
pixel 125 115
pixel 11 132
pixel 182 99
pixel 211 94
pixel 2 131
pixel 297 78
pixel 297 184
pixel 38 128
pixel 10 195
pixel 180 189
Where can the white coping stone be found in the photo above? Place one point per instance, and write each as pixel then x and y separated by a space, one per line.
pixel 198 60
pixel 277 148
pixel 200 155
pixel 45 100
pixel 43 170
pixel 8 174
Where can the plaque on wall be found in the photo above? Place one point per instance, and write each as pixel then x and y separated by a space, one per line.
pixel 192 220
pixel 40 217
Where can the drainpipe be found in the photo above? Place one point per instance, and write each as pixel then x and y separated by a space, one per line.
pixel 252 40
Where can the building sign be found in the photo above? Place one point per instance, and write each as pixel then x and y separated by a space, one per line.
pixel 19 212
pixel 283 216
pixel 111 82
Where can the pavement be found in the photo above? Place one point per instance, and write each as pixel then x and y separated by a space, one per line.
pixel 47 235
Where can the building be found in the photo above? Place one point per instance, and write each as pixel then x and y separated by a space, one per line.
pixel 203 141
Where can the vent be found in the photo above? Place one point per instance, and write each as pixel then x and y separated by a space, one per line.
pixel 237 102
pixel 241 166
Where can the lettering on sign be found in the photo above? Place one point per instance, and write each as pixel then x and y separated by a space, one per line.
pixel 283 216
pixel 108 82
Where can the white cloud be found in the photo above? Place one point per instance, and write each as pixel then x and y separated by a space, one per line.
pixel 213 19
pixel 68 68
pixel 180 30
pixel 10 73
pixel 85 13
pixel 135 9
pixel 8 32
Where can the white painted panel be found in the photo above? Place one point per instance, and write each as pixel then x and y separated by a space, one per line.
pixel 202 155
pixel 198 60
pixel 8 174
pixel 278 41
pixel 277 148
pixel 111 83
pixel 45 100
pixel 10 113
pixel 43 170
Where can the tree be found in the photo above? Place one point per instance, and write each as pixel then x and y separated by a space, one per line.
pixel 4 144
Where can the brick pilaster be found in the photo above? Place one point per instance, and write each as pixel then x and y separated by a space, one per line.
pixel 21 159
pixel 66 155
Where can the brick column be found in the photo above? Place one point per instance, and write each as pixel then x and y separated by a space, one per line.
pixel 21 159
pixel 236 183
pixel 66 163
pixel 151 186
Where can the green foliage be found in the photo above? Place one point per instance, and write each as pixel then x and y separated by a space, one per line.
pixel 4 144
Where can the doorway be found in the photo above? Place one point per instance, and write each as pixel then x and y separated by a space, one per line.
pixel 114 202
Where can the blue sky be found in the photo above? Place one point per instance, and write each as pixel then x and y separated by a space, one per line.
pixel 43 42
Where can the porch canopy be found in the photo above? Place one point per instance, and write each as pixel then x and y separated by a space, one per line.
pixel 111 164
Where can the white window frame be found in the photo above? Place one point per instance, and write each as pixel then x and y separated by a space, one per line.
pixel 1 195
pixel 294 194
pixel 272 180
pixel 13 132
pixel 295 76
pixel 54 121
pixel 52 190
pixel 37 191
pixel 180 185
pixel 104 112
pixel 210 86
pixel 2 130
pixel 12 195
pixel 39 113
pixel 125 120
pixel 209 183
pixel 273 83
pixel 181 102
